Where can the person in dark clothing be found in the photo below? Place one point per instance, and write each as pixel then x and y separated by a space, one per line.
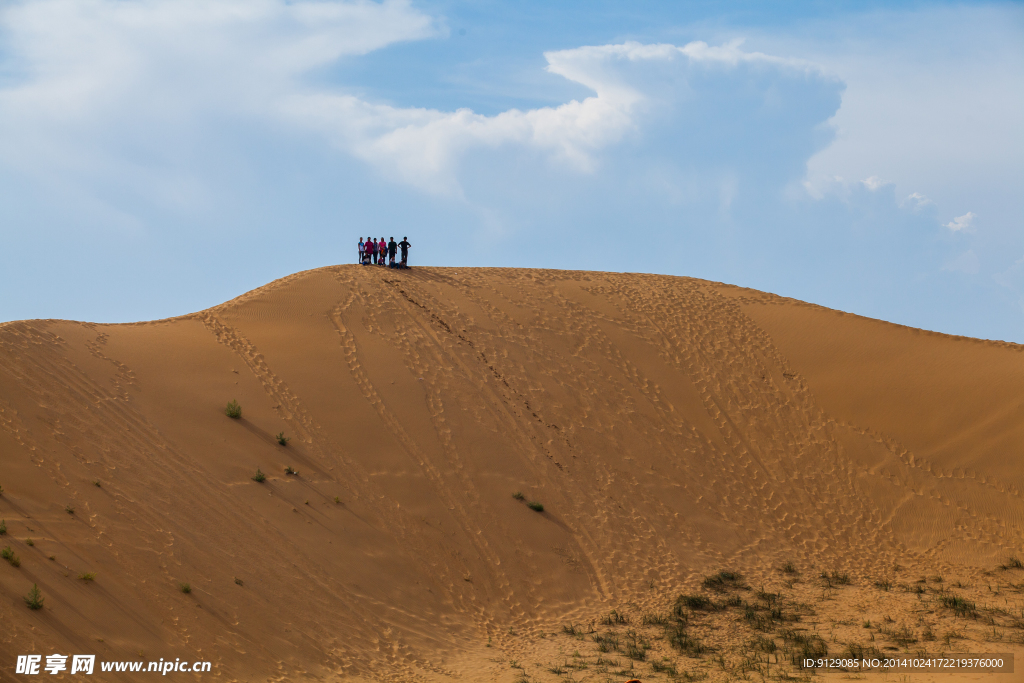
pixel 392 250
pixel 404 246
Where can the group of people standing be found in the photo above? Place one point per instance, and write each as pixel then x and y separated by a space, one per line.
pixel 372 252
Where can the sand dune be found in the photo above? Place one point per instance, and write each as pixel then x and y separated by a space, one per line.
pixel 671 428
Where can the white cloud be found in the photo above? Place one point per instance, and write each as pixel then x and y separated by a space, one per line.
pixel 421 147
pixel 94 82
pixel 963 223
pixel 873 183
pixel 916 200
pixel 121 87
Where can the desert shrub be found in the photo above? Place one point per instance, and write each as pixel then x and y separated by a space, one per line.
pixel 96 483
pixel 615 618
pixel 960 606
pixel 535 506
pixel 835 578
pixel 883 584
pixel 34 599
pixel 11 558
pixel 694 603
pixel 664 668
pixel 87 576
pixel 518 495
pixel 724 580
pixel 3 527
pixel 185 587
pixel 239 581
pixel 606 642
pixel 678 638
pixel 290 470
pixel 282 439
pixel 761 621
pixel 69 509
pixel 29 542
pixel 653 619
pixel 233 410
pixel 1012 563
pixel 902 636
pixel 337 500
pixel 763 644
pixel 259 476
pixel 572 630
pixel 808 647
pixel 789 567
pixel 636 646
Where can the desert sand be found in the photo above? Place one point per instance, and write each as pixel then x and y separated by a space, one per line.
pixel 860 477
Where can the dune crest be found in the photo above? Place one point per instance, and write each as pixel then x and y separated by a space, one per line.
pixel 670 427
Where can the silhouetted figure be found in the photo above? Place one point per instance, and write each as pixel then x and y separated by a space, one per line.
pixel 404 246
pixel 392 250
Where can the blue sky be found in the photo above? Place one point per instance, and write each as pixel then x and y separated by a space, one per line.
pixel 161 156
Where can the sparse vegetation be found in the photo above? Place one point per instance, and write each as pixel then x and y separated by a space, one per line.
pixel 291 470
pixel 3 527
pixel 636 646
pixel 535 506
pixel 653 619
pixel 337 500
pixel 684 642
pixel 69 509
pixel 694 603
pixel 1012 563
pixel 724 580
pixel 518 495
pixel 96 483
pixel 960 606
pixel 87 576
pixel 282 439
pixel 789 568
pixel 238 581
pixel 803 646
pixel 259 477
pixel 835 578
pixel 233 410
pixel 185 587
pixel 614 618
pixel 11 558
pixel 606 642
pixel 29 542
pixel 34 599
pixel 664 668
pixel 883 584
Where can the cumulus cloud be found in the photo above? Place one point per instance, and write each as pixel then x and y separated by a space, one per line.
pixel 629 81
pixel 963 223
pixel 916 200
pixel 92 83
pixel 104 88
pixel 873 183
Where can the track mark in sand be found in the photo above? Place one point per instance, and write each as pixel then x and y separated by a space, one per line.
pixel 287 404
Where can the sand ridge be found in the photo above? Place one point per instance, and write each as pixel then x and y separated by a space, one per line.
pixel 671 427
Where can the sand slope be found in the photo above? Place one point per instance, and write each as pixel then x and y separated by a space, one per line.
pixel 671 427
